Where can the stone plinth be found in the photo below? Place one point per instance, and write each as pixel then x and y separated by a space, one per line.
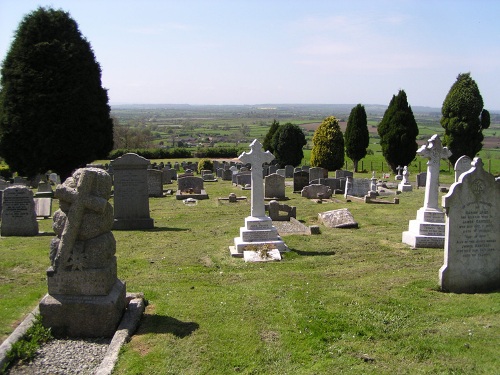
pixel 84 316
pixel 427 230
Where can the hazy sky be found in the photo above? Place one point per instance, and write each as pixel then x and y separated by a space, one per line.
pixel 283 51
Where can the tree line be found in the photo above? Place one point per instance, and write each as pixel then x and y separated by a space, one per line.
pixel 55 115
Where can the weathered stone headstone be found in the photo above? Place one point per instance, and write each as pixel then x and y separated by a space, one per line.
pixel 341 218
pixel 289 171
pixel 274 186
pixel 44 190
pixel 43 207
pixel 463 164
pixel 399 176
pixel 312 191
pixel 274 208
pixel 273 168
pixel 54 178
pixel 85 297
pixel 244 179
pixel 316 173
pixel 18 212
pixel 428 229
pixel 131 198
pixel 155 183
pixel 23 181
pixel 339 173
pixel 472 239
pixel 167 175
pixel 300 180
pixel 258 231
pixel 209 177
pixel 227 175
pixel 190 187
pixel 281 172
pixel 357 187
pixel 421 179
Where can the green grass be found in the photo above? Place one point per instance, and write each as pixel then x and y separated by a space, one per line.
pixel 346 301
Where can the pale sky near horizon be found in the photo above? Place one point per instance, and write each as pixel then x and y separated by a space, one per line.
pixel 283 51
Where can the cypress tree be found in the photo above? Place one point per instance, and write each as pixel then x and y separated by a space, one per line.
pixel 287 144
pixel 398 132
pixel 328 145
pixel 356 135
pixel 54 113
pixel 463 118
pixel 268 140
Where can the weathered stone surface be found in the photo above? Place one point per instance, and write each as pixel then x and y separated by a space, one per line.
pixel 472 240
pixel 155 183
pixel 341 218
pixel 300 180
pixel 18 212
pixel 312 191
pixel 274 186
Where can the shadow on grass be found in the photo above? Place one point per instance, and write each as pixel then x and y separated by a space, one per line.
pixel 167 229
pixel 313 253
pixel 165 324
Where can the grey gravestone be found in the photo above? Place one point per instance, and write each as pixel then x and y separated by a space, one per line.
pixel 472 236
pixel 227 175
pixel 209 177
pixel 155 183
pixel 167 175
pixel 312 191
pixel 85 297
pixel 289 171
pixel 300 180
pixel 18 212
pixel 43 207
pixel 281 172
pixel 463 164
pixel 357 187
pixel 316 173
pixel 338 219
pixel 244 179
pixel 274 186
pixel 273 168
pixel 297 169
pixel 44 190
pixel 131 200
pixel 190 187
pixel 274 208
pixel 421 179
pixel 21 181
pixel 339 173
pixel 306 168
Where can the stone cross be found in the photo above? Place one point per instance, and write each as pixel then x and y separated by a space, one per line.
pixel 81 200
pixel 399 169
pixel 434 151
pixel 256 157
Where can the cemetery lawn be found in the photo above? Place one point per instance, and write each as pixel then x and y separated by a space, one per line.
pixel 352 301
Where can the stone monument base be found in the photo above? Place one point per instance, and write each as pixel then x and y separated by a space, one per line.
pixel 428 230
pixel 257 232
pixel 183 195
pixel 405 187
pixel 132 224
pixel 84 316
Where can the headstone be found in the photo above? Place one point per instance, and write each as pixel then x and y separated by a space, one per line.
pixel 274 208
pixel 85 297
pixel 341 218
pixel 306 168
pixel 428 229
pixel 316 173
pixel 343 174
pixel 43 207
pixel 54 178
pixel 190 187
pixel 227 175
pixel 336 184
pixel 18 212
pixel 289 171
pixel 274 186
pixel 300 180
pixel 273 168
pixel 281 172
pixel 209 177
pixel 405 184
pixel 243 179
pixel 472 238
pixel 3 184
pixel 23 181
pixel 131 198
pixel 421 179
pixel 258 231
pixel 312 191
pixel 155 183
pixel 44 190
pixel 463 164
pixel 357 187
pixel 399 176
pixel 167 175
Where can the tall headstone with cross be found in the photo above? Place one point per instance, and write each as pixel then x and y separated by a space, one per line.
pixel 472 239
pixel 258 231
pixel 85 299
pixel 428 229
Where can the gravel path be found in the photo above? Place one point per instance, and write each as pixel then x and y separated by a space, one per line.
pixel 59 357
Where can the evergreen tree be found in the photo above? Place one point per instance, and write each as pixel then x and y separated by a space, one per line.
pixel 328 145
pixel 287 144
pixel 268 140
pixel 463 118
pixel 54 113
pixel 356 135
pixel 398 132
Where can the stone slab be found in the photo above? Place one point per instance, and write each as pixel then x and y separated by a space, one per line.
pixel 418 241
pixel 341 218
pixel 84 316
pixel 426 228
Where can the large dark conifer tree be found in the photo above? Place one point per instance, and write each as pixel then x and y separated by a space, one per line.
pixel 54 112
pixel 398 132
pixel 287 144
pixel 356 135
pixel 463 118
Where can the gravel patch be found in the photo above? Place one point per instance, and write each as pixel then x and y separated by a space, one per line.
pixel 69 356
